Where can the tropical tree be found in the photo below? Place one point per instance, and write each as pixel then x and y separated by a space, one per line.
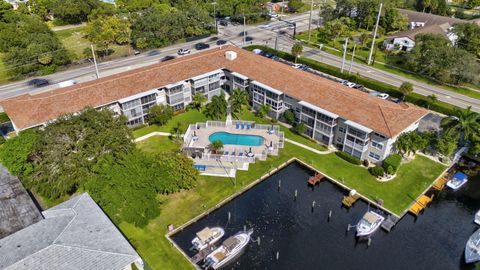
pixel 363 39
pixel 406 89
pixel 160 114
pixel 15 152
pixel 106 30
pixel 177 131
pixel 447 144
pixel 466 123
pixel 299 128
pixel 216 146
pixel 297 50
pixel 411 142
pixel 263 110
pixel 289 116
pixel 217 108
pixel 198 100
pixel 238 99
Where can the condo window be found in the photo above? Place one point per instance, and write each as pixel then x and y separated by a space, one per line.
pixel 374 156
pixel 377 145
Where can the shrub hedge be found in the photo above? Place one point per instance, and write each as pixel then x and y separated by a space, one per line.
pixel 376 171
pixel 414 98
pixel 393 160
pixel 348 157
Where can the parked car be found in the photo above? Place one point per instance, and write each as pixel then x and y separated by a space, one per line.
pixel 221 42
pixel 183 51
pixel 136 52
pixel 223 23
pixel 66 83
pixel 201 46
pixel 273 15
pixel 347 83
pixel 266 25
pixel 167 58
pixel 299 66
pixel 268 55
pixel 383 95
pixel 359 87
pixel 38 82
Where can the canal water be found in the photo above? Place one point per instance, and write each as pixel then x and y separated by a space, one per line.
pixel 306 239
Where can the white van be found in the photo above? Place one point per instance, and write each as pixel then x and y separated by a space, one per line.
pixel 66 83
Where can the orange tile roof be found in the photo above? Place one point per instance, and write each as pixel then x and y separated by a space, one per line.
pixel 382 116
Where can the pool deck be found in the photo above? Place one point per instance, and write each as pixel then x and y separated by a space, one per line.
pixel 203 135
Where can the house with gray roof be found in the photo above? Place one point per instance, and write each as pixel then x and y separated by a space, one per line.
pixel 17 210
pixel 73 235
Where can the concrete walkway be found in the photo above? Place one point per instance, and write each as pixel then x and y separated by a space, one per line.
pixel 149 135
pixel 310 148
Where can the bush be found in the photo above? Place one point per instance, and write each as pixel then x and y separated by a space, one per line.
pixel 289 116
pixel 349 158
pixel 376 171
pixel 390 170
pixel 298 129
pixel 392 161
pixel 366 163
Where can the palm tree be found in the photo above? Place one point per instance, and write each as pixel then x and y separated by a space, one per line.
pixel 431 99
pixel 297 50
pixel 216 145
pixel 238 99
pixel 406 89
pixel 263 110
pixel 217 108
pixel 466 123
pixel 176 131
pixel 198 100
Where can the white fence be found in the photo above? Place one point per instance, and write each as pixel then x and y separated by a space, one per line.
pixel 227 158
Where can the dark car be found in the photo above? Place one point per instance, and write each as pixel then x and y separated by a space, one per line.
pixel 223 22
pixel 167 58
pixel 38 82
pixel 201 46
pixel 359 87
pixel 221 42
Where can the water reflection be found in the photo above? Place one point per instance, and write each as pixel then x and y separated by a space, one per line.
pixel 308 240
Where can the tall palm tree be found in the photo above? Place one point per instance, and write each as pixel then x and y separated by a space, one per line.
pixel 297 50
pixel 466 123
pixel 432 99
pixel 238 99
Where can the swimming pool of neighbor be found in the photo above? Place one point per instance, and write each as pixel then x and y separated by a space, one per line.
pixel 306 239
pixel 236 139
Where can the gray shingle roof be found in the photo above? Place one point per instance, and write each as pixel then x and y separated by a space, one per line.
pixel 74 235
pixel 17 209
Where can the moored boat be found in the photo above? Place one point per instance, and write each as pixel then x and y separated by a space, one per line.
pixel 369 223
pixel 458 180
pixel 230 249
pixel 472 249
pixel 477 217
pixel 207 236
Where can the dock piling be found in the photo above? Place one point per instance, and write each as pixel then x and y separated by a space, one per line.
pixel 229 216
pixel 296 193
pixel 313 205
pixel 258 240
pixel 329 215
pixel 278 255
pixel 244 228
pixel 369 241
pixel 279 184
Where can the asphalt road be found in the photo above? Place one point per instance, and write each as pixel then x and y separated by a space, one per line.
pixel 265 34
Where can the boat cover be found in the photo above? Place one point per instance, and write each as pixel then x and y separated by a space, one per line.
pixel 460 176
pixel 205 234
pixel 370 217
pixel 230 243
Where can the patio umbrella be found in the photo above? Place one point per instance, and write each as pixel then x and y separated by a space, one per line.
pixel 194 133
pixel 250 149
pixel 271 144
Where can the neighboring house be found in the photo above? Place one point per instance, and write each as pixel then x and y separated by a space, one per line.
pixel 74 235
pixel 15 3
pixel 17 210
pixel 354 121
pixel 420 19
pixel 277 7
pixel 405 40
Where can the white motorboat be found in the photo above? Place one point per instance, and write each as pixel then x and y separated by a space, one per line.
pixel 477 217
pixel 458 180
pixel 207 236
pixel 230 249
pixel 369 223
pixel 472 249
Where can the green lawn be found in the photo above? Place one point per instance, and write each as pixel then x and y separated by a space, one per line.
pixel 74 41
pixel 361 56
pixel 178 208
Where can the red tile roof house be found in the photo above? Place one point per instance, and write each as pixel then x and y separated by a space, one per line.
pixel 355 122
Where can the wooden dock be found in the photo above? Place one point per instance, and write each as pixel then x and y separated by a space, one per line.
pixel 349 200
pixel 200 256
pixel 389 223
pixel 420 204
pixel 313 180
pixel 441 182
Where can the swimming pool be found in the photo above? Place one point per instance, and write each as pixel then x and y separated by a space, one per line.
pixel 237 139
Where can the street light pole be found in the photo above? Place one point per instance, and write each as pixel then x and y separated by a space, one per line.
pixel 344 53
pixel 310 22
pixel 215 16
pixel 353 56
pixel 95 61
pixel 374 35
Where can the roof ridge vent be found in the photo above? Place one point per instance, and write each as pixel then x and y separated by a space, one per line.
pixel 230 55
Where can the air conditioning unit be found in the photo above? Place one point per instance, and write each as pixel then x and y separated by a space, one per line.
pixel 230 55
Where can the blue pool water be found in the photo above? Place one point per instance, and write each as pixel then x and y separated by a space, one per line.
pixel 237 139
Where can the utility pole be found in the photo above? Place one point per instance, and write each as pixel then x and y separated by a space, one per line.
pixel 95 61
pixel 244 30
pixel 374 35
pixel 344 53
pixel 319 14
pixel 310 22
pixel 353 56
pixel 276 41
